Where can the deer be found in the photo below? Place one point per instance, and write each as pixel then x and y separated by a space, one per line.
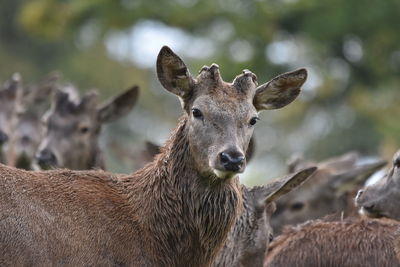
pixel 20 113
pixel 72 127
pixel 381 199
pixel 31 107
pixel 330 190
pixel 248 239
pixel 348 243
pixel 175 211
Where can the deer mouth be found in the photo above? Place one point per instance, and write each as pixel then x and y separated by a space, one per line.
pixel 371 212
pixel 224 174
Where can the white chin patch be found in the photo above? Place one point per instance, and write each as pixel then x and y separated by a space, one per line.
pixel 365 212
pixel 362 211
pixel 224 174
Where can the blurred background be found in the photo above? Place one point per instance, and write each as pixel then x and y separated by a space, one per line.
pixel 351 49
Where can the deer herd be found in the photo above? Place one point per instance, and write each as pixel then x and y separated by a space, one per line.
pixel 186 206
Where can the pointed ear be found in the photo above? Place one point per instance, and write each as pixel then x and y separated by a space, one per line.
pixel 173 73
pixel 356 177
pixel 287 184
pixel 341 163
pixel 119 105
pixel 60 99
pixel 39 92
pixel 12 86
pixel 280 91
pixel 45 87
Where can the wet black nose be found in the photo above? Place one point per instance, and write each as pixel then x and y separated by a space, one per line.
pixel 232 161
pixel 46 158
pixel 3 137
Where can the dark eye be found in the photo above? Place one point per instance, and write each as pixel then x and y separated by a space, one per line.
pixel 253 121
pixel 270 237
pixel 84 130
pixel 296 206
pixel 197 113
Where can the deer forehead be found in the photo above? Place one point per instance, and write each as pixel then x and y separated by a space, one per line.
pixel 217 106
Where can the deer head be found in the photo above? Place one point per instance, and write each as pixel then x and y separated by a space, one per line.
pixel 382 199
pixel 72 129
pixel 221 116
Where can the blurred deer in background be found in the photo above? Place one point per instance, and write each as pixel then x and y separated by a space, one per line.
pixel 382 199
pixel 20 117
pixel 73 127
pixel 249 237
pixel 28 134
pixel 331 189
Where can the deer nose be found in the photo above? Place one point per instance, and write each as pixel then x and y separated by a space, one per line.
pixel 232 161
pixel 46 158
pixel 3 137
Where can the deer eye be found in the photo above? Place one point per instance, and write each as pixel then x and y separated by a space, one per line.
pixel 197 113
pixel 84 129
pixel 297 206
pixel 270 237
pixel 253 121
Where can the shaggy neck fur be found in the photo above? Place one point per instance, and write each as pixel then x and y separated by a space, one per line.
pixel 187 214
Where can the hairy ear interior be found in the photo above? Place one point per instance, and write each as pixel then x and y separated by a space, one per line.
pixel 173 73
pixel 287 184
pixel 280 91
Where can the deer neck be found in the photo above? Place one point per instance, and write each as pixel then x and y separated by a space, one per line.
pixel 192 212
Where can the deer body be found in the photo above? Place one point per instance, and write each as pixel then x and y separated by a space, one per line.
pixel 350 243
pixel 141 220
pixel 175 211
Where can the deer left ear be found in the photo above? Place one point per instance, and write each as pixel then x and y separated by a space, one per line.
pixel 173 73
pixel 280 91
pixel 119 105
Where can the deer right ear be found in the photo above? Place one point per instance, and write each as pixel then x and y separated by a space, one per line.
pixel 287 184
pixel 280 91
pixel 173 73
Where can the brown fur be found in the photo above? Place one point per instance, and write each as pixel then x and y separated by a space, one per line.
pixel 330 190
pixel 166 214
pixel 363 243
pixel 251 233
pixel 176 211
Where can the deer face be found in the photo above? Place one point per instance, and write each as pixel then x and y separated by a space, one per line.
pixel 221 116
pixel 31 107
pixel 382 198
pixel 72 129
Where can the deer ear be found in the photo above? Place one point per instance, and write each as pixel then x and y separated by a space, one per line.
pixel 119 105
pixel 280 91
pixel 173 73
pixel 11 86
pixel 44 88
pixel 283 186
pixel 355 177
